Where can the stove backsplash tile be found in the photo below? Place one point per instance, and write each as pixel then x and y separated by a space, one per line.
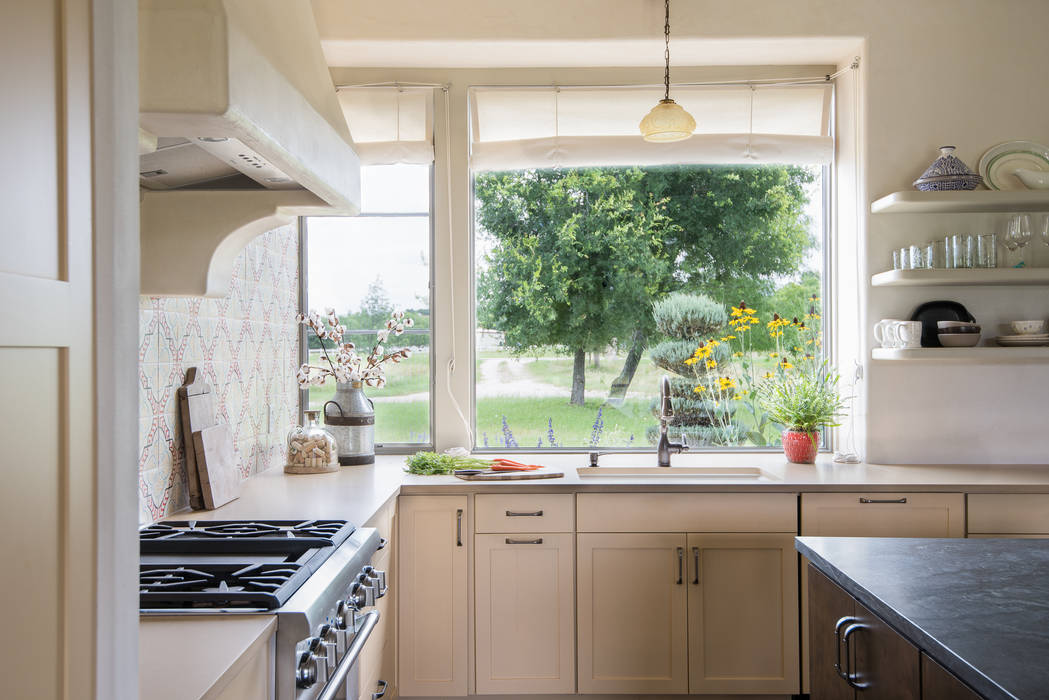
pixel 247 346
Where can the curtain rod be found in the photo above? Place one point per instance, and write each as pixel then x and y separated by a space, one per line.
pixel 752 82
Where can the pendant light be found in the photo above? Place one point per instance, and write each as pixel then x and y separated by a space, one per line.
pixel 667 121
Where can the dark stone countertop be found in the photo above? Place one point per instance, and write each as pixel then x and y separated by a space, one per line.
pixel 980 607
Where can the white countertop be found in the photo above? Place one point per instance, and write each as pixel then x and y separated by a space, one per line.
pixel 357 493
pixel 192 658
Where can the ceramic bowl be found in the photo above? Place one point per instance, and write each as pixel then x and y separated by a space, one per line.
pixel 958 340
pixel 965 330
pixel 1027 327
pixel 952 325
pixel 1033 179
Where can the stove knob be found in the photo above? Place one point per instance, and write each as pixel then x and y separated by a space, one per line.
pixel 329 643
pixel 308 671
pixel 378 578
pixel 361 596
pixel 344 615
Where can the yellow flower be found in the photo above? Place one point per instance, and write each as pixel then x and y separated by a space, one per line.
pixel 699 389
pixel 750 312
pixel 691 361
pixel 785 365
pixel 711 364
pixel 736 311
pixel 737 397
pixel 773 354
pixel 797 349
pixel 737 354
pixel 729 337
pixel 715 342
pixel 767 375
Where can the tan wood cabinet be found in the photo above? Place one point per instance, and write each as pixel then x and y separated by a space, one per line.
pixel 1008 515
pixel 379 657
pixel 632 613
pixel 742 613
pixel 524 588
pixel 874 514
pixel 432 596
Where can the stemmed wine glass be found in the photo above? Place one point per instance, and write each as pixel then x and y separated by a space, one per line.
pixel 1043 228
pixel 1018 235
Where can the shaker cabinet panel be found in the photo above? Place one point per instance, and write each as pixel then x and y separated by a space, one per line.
pixel 432 596
pixel 631 596
pixel 742 613
pixel 940 684
pixel 887 665
pixel 525 603
pixel 883 514
pixel 830 610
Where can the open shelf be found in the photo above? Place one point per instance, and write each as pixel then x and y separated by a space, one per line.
pixel 985 355
pixel 974 201
pixel 976 277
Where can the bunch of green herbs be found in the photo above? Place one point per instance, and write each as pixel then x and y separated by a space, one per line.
pixel 430 463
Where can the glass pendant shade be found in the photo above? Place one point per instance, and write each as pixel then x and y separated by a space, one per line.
pixel 667 122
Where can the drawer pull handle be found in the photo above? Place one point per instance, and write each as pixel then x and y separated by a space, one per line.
pixel 381 690
pixel 884 500
pixel 537 540
pixel 842 671
pixel 459 527
pixel 695 560
pixel 851 675
pixel 515 514
pixel 680 565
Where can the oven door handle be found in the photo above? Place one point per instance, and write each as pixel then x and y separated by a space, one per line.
pixel 334 684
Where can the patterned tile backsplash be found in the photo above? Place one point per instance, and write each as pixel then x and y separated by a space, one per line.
pixel 246 345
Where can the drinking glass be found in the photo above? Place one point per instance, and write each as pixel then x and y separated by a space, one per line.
pixel 915 258
pixel 987 250
pixel 963 248
pixel 934 255
pixel 1043 228
pixel 948 254
pixel 896 259
pixel 905 258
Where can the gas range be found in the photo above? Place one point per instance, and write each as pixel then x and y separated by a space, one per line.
pixel 314 575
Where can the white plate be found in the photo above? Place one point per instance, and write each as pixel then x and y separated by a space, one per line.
pixel 1022 343
pixel 1000 163
pixel 1026 336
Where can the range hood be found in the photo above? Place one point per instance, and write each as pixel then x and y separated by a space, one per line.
pixel 240 132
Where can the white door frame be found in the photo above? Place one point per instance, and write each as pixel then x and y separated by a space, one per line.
pixel 114 69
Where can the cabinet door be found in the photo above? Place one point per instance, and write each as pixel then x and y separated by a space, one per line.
pixel 940 684
pixel 887 665
pixel 432 596
pixel 525 611
pixel 742 613
pixel 828 606
pixel 631 598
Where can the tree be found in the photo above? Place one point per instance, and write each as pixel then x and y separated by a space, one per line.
pixel 376 306
pixel 577 257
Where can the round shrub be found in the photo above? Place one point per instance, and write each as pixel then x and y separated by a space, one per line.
pixel 689 316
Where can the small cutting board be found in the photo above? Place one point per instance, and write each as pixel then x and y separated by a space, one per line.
pixel 198 412
pixel 489 475
pixel 217 465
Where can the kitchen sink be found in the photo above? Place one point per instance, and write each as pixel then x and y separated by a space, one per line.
pixel 720 473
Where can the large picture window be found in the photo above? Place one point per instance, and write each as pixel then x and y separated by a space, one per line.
pixel 366 267
pixel 592 283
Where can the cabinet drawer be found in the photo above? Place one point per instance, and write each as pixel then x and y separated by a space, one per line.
pixel 883 514
pixel 524 512
pixel 687 512
pixel 1009 513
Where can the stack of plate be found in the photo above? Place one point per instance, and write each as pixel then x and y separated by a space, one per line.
pixel 1022 341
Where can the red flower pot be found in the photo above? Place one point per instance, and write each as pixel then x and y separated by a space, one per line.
pixel 800 447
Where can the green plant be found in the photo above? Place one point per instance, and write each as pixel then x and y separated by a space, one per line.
pixel 688 316
pixel 802 401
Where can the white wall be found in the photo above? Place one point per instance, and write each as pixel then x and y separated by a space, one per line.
pixel 962 72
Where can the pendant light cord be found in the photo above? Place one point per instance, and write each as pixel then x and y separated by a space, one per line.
pixel 666 51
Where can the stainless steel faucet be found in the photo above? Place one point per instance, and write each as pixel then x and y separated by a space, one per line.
pixel 666 412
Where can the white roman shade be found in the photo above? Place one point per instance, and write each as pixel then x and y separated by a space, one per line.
pixel 390 124
pixel 542 127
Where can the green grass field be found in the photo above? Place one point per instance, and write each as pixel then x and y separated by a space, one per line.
pixel 530 422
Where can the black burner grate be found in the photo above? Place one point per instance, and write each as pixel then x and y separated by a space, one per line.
pixel 244 536
pixel 265 586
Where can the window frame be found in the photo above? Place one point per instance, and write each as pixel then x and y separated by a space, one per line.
pixel 303 354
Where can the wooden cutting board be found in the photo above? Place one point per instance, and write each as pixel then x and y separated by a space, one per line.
pixel 489 475
pixel 217 465
pixel 198 412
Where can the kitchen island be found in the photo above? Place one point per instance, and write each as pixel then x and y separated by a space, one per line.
pixel 978 608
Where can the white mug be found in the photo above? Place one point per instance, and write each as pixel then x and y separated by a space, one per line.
pixel 884 332
pixel 908 334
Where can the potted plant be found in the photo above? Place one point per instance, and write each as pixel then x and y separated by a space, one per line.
pixel 803 403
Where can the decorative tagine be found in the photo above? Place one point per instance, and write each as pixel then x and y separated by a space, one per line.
pixel 947 173
pixel 350 415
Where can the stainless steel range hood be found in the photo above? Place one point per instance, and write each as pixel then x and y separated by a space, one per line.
pixel 241 132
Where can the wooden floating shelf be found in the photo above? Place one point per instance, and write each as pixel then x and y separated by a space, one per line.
pixel 976 277
pixel 984 355
pixel 975 201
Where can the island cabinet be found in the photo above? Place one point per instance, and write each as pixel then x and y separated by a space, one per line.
pixel 432 596
pixel 687 593
pixel 874 514
pixel 524 588
pixel 857 656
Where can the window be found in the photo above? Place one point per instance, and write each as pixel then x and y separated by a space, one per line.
pixel 366 267
pixel 596 278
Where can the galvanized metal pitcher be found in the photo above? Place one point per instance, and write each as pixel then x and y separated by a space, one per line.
pixel 350 417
